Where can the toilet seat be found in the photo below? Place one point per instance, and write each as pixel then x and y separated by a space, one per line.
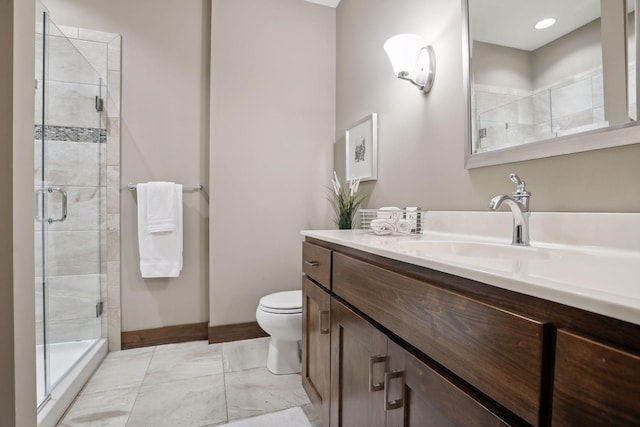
pixel 288 302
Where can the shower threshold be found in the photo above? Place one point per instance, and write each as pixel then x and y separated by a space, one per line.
pixel 71 364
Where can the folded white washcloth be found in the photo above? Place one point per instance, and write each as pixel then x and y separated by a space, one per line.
pixel 160 253
pixel 161 206
pixel 390 212
pixel 382 227
pixel 404 226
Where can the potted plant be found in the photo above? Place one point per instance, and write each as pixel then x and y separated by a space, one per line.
pixel 345 202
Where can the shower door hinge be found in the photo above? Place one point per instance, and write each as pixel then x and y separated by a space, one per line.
pixel 99 309
pixel 482 132
pixel 99 103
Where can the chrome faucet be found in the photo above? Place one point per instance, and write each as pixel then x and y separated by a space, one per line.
pixel 519 204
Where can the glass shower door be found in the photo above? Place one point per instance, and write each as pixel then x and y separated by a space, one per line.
pixel 70 198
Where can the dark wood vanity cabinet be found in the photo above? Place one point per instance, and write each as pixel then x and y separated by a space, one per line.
pixel 594 384
pixel 409 346
pixel 347 360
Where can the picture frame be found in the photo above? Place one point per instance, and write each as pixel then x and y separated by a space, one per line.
pixel 361 142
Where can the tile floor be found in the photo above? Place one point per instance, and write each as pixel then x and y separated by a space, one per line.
pixel 192 384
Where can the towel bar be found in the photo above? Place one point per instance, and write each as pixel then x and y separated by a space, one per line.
pixel 132 187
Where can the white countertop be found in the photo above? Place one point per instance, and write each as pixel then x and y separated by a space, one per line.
pixel 604 280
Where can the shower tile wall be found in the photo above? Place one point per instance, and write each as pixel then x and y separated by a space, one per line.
pixel 82 158
pixel 112 260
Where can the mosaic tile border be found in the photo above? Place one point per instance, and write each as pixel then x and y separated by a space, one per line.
pixel 73 134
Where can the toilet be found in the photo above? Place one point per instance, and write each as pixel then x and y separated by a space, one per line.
pixel 280 315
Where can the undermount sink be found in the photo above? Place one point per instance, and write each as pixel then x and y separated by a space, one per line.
pixel 446 248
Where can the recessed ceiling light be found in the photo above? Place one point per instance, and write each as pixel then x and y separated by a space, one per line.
pixel 545 23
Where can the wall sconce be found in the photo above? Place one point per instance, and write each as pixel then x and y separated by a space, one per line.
pixel 412 60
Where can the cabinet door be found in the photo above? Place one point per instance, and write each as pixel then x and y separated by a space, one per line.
pixel 416 395
pixel 316 346
pixel 594 384
pixel 358 363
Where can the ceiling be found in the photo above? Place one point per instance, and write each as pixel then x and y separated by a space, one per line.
pixel 510 22
pixel 330 3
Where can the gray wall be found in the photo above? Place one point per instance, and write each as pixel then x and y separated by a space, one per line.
pixel 17 324
pixel 7 360
pixel 272 127
pixel 578 51
pixel 23 251
pixel 164 125
pixel 421 138
pixel 501 66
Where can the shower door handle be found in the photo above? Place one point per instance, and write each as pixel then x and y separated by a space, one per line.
pixel 39 204
pixel 39 193
pixel 64 204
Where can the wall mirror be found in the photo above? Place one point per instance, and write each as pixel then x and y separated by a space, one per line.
pixel 565 88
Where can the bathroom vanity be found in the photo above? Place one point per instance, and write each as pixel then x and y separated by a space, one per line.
pixel 426 330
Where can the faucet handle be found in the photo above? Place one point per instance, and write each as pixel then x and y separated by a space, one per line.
pixel 520 189
pixel 516 180
pixel 521 195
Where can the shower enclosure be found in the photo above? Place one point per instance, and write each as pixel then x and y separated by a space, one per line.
pixel 69 218
pixel 508 117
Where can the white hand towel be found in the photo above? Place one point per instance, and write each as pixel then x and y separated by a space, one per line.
pixel 160 253
pixel 382 227
pixel 403 226
pixel 161 206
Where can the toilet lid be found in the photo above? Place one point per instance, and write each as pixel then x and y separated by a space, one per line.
pixel 282 302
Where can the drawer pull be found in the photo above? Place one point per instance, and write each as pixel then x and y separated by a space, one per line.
pixel 324 317
pixel 312 263
pixel 394 404
pixel 373 360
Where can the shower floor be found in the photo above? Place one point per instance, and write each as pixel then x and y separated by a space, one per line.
pixel 62 357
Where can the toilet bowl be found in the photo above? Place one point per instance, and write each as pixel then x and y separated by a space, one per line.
pixel 280 315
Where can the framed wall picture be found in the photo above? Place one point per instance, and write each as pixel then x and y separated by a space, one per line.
pixel 361 141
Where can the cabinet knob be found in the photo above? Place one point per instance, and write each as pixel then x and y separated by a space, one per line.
pixel 312 263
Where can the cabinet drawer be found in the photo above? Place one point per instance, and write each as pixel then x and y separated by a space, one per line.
pixel 498 352
pixel 594 384
pixel 316 263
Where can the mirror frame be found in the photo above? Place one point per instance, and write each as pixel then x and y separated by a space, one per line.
pixel 613 136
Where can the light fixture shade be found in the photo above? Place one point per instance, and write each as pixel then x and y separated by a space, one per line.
pixel 403 52
pixel 412 60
